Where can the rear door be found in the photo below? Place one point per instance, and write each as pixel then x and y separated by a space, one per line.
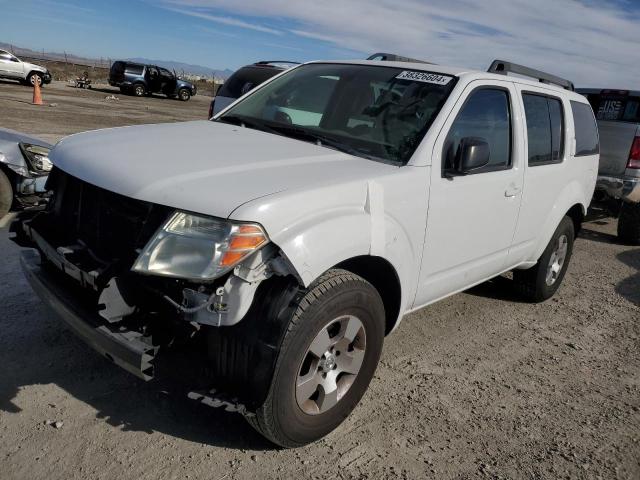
pixel 472 218
pixel 618 116
pixel 549 166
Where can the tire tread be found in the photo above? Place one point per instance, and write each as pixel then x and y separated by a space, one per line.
pixel 629 223
pixel 264 419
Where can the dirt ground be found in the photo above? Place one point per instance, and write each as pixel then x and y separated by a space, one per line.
pixel 70 110
pixel 479 385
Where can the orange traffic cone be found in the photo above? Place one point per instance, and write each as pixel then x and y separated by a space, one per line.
pixel 37 97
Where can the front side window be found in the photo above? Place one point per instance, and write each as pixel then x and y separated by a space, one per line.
pixel 587 140
pixel 486 115
pixel 545 128
pixel 376 112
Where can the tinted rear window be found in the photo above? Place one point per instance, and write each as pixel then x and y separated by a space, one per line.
pixel 246 79
pixel 545 128
pixel 587 142
pixel 135 69
pixel 615 106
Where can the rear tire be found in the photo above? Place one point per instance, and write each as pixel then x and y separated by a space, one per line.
pixel 541 281
pixel 629 223
pixel 343 314
pixel 6 194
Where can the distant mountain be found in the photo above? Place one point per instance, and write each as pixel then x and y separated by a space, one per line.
pixel 185 68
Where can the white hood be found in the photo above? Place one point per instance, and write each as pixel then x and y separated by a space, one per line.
pixel 203 166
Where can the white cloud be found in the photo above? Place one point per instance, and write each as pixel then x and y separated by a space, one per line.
pixel 234 22
pixel 593 44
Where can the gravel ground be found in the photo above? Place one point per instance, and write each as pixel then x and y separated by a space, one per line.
pixel 479 385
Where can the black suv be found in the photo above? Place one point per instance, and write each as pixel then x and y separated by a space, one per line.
pixel 139 80
pixel 245 79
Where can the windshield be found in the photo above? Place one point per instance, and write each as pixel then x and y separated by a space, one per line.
pixel 375 112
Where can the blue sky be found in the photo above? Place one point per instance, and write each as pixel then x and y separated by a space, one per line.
pixel 593 42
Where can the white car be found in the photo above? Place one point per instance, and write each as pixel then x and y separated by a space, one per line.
pixel 287 237
pixel 13 68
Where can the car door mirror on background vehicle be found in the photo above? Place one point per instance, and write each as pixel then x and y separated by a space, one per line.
pixel 473 153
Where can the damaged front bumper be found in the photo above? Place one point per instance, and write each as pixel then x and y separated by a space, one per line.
pixel 129 350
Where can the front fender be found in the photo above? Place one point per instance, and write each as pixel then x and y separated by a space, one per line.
pixel 318 229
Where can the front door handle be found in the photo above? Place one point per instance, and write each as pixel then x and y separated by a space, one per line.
pixel 512 191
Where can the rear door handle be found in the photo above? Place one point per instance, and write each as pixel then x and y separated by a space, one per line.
pixel 512 191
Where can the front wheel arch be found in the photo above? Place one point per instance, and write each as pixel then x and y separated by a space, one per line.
pixel 384 278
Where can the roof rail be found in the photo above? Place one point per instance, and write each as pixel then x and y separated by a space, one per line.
pixel 271 62
pixel 503 68
pixel 392 57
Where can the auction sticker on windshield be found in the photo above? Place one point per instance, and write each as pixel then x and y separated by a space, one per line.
pixel 424 77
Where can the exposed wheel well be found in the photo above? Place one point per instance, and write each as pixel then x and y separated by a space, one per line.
pixel 381 274
pixel 576 214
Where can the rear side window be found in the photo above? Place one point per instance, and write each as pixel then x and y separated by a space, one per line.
pixel 486 115
pixel 545 128
pixel 587 141
pixel 245 80
pixel 135 69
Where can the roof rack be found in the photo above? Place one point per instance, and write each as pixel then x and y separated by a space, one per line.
pixel 392 57
pixel 271 62
pixel 503 68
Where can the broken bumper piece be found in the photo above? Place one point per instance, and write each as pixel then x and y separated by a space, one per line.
pixel 128 349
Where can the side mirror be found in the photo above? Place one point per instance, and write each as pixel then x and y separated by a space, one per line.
pixel 473 153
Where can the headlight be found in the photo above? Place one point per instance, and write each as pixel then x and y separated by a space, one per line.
pixel 197 247
pixel 37 156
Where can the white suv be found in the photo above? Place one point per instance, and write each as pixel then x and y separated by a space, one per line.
pixel 287 237
pixel 13 68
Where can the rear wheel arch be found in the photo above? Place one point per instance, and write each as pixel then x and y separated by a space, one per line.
pixel 576 213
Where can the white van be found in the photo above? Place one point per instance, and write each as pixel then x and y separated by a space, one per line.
pixel 289 235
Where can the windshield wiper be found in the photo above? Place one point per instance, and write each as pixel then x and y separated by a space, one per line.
pixel 246 122
pixel 321 140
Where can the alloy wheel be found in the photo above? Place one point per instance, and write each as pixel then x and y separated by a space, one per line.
pixel 331 364
pixel 556 262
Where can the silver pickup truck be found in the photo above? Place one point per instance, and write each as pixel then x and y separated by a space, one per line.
pixel 618 186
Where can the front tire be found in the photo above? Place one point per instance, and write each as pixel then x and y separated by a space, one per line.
pixel 184 94
pixel 34 78
pixel 629 223
pixel 6 194
pixel 327 360
pixel 541 281
pixel 139 90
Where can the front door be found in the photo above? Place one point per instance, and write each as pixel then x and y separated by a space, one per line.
pixel 472 217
